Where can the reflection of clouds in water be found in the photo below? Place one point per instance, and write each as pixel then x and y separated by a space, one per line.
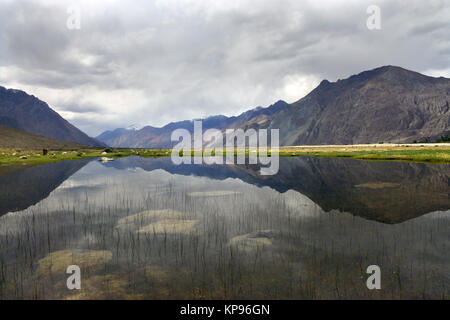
pixel 77 184
pixel 106 185
pixel 300 204
pixel 97 186
pixel 99 203
pixel 418 244
pixel 78 189
pixel 216 193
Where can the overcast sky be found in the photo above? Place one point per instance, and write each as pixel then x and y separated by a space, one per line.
pixel 152 62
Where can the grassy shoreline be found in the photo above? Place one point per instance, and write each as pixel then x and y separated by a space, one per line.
pixel 14 157
pixel 427 153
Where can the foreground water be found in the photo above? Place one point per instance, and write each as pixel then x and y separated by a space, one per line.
pixel 147 229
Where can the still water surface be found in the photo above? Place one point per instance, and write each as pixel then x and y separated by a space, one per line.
pixel 142 228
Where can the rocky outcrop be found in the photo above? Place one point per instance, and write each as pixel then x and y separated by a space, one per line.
pixel 388 104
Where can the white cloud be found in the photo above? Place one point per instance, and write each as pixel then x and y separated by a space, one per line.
pixel 297 86
pixel 152 62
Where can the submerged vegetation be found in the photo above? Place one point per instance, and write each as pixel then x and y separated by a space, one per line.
pixel 434 153
pixel 147 236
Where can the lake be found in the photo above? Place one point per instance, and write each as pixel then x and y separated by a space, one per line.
pixel 144 228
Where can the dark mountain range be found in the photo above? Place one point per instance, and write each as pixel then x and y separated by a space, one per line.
pixel 160 137
pixel 387 104
pixel 21 111
pixel 17 139
pixel 114 134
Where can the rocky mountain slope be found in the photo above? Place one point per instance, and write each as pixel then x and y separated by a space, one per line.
pixel 17 139
pixel 148 136
pixel 387 104
pixel 110 135
pixel 25 112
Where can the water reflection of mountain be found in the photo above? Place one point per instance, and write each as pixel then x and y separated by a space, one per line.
pixel 389 192
pixel 21 188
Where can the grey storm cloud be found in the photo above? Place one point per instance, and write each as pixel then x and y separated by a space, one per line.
pixel 152 62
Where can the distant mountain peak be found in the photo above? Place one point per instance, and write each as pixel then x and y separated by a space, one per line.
pixel 385 104
pixel 216 117
pixel 325 83
pixel 389 72
pixel 388 103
